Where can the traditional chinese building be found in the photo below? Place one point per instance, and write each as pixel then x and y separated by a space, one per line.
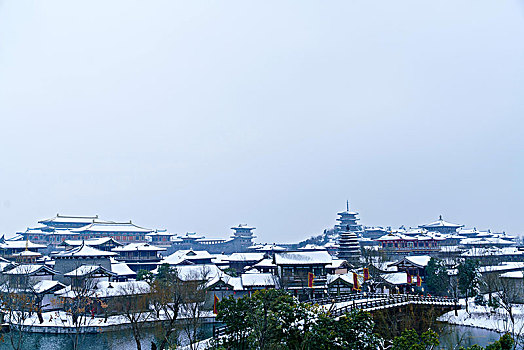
pixel 11 249
pixel 348 222
pixel 441 226
pixel 406 245
pixel 55 230
pixel 69 260
pixel 349 249
pixel 294 269
pixel 140 256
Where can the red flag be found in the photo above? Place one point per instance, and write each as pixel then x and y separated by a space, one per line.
pixel 409 278
pixel 419 281
pixel 356 286
pixel 215 304
pixel 366 273
pixel 310 279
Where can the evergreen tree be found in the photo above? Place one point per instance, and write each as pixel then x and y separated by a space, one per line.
pixel 437 278
pixel 273 319
pixel 410 340
pixel 469 279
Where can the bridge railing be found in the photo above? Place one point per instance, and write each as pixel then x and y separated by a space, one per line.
pixel 394 300
pixel 219 331
pixel 344 298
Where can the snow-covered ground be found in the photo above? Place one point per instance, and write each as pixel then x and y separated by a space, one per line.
pixel 63 321
pixel 486 317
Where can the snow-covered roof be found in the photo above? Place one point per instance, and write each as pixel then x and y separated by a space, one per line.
pixel 347 212
pixel 270 248
pixel 32 231
pixel 420 260
pixel 485 241
pixel 492 251
pixel 234 282
pixel 267 263
pixel 105 289
pixel 303 258
pixel 83 251
pixel 160 233
pixel 132 247
pixel 21 245
pixel 441 223
pixel 198 272
pixel 86 270
pixel 346 277
pixel 395 237
pixel 450 248
pixel 191 235
pixel 403 237
pixel 30 269
pixel 469 231
pixel 4 264
pixel 258 280
pixel 396 278
pixel 44 286
pixel 70 219
pixel 112 227
pixel 246 280
pixel 181 255
pixel 336 263
pixel 243 227
pixel 331 245
pixel 122 269
pixel 28 253
pixel 504 266
pixel 385 266
pixel 245 257
pixel 89 242
pixel 220 259
pixel 16 237
pixel 312 247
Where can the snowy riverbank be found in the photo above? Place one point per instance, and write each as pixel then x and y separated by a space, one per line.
pixel 60 322
pixel 486 317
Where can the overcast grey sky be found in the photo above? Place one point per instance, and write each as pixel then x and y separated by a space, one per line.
pixel 199 115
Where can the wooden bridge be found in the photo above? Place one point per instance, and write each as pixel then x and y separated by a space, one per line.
pixel 390 311
pixel 339 306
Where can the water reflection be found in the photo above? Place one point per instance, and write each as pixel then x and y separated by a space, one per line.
pixel 122 340
pixel 452 337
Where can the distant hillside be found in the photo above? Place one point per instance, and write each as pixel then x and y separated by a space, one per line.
pixel 321 239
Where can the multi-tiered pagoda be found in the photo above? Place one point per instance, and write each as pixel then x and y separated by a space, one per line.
pixel 348 230
pixel 348 222
pixel 349 248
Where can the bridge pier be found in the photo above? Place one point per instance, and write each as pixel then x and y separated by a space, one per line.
pixel 390 322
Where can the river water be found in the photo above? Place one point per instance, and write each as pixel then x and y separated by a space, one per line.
pixel 450 336
pixel 111 340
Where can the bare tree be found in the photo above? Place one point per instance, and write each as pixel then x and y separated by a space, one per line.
pixel 506 296
pixel 491 283
pixel 193 292
pixel 166 298
pixel 80 303
pixel 20 303
pixel 132 301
